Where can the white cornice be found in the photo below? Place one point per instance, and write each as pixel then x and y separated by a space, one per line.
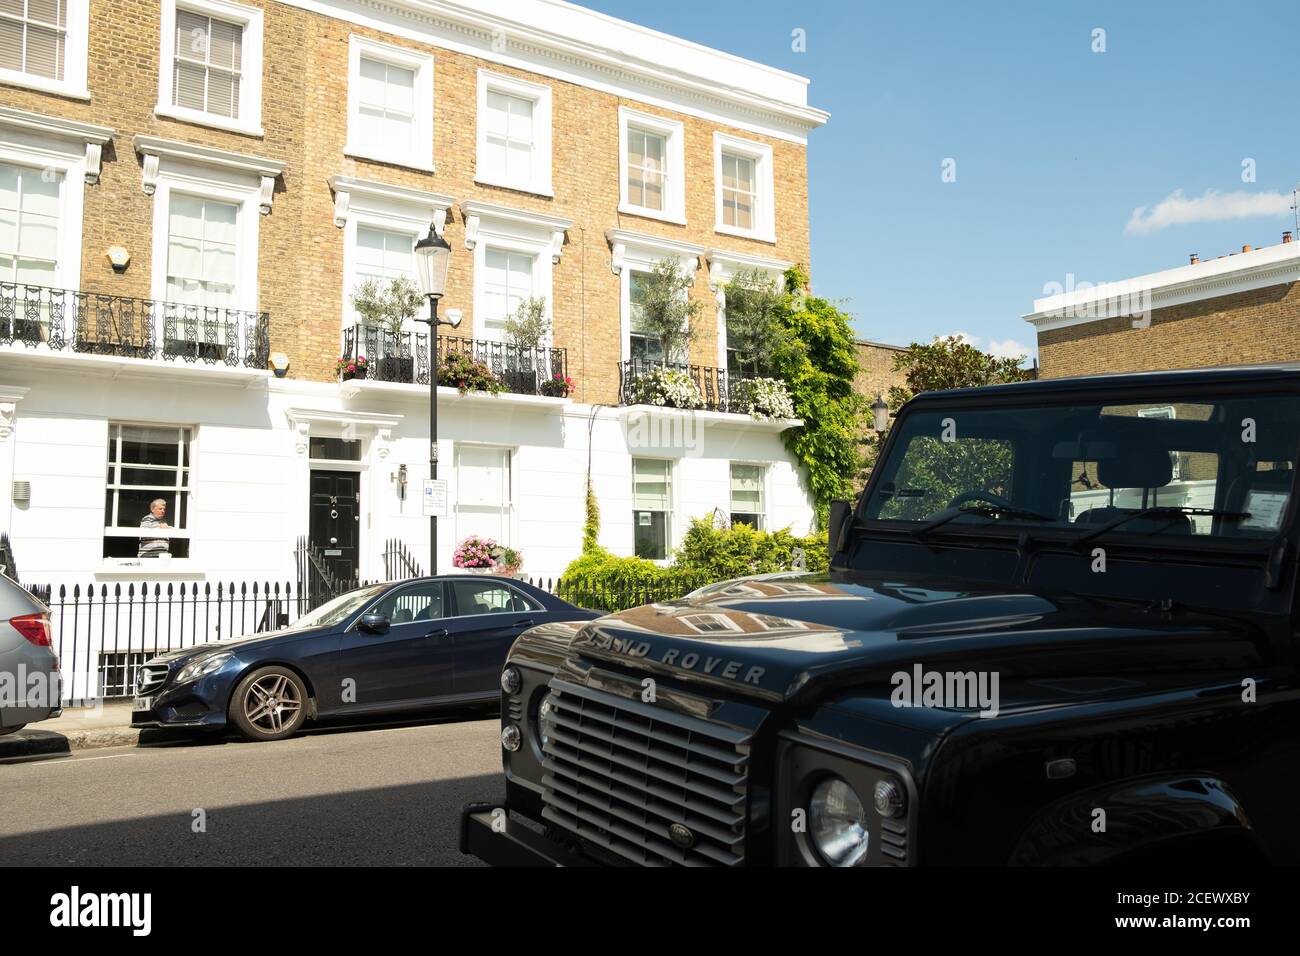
pixel 153 150
pixel 568 42
pixel 474 212
pixel 723 265
pixel 345 187
pixel 95 137
pixel 1139 296
pixel 621 241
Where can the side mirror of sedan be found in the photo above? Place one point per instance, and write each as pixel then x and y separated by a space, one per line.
pixel 373 624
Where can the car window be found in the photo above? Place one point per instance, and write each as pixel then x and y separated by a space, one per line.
pixel 489 597
pixel 419 602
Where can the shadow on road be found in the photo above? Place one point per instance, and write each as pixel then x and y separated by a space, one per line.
pixel 407 825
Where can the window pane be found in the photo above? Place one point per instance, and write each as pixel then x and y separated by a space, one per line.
pixel 746 488
pixel 485 597
pixel 650 534
pixel 148 445
pixel 650 483
pixel 421 602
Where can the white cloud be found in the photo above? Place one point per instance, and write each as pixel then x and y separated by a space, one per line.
pixel 1214 206
pixel 1008 348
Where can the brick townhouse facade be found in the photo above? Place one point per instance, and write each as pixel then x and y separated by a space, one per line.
pixel 190 190
pixel 1237 309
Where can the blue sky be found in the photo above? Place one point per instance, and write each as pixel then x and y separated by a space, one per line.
pixel 1055 145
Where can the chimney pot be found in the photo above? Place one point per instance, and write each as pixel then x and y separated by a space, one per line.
pixel 1245 248
pixel 1195 258
pixel 1286 236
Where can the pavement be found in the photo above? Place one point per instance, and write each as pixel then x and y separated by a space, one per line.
pixel 379 793
pixel 80 728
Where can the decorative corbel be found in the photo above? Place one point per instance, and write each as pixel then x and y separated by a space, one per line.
pixel 618 255
pixel 94 157
pixel 267 193
pixel 383 438
pixel 471 231
pixel 303 431
pixel 342 202
pixel 716 283
pixel 557 245
pixel 8 418
pixel 150 180
pixel 439 220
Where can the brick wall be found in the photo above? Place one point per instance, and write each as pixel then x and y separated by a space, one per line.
pixel 1241 329
pixel 304 114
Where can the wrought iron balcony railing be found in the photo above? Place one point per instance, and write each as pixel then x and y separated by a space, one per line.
pixel 404 357
pixel 63 320
pixel 661 383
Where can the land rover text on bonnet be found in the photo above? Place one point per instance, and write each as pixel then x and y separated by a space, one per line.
pixel 1058 628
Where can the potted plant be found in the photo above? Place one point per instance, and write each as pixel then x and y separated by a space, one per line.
pixel 666 387
pixel 508 561
pixel 526 329
pixel 348 367
pixel 760 398
pixel 475 554
pixel 401 301
pixel 667 312
pixel 557 386
pixel 466 374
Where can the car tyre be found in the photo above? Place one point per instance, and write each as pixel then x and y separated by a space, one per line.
pixel 269 704
pixel 11 730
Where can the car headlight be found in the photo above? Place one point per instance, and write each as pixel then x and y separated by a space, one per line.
pixel 511 680
pixel 837 823
pixel 202 666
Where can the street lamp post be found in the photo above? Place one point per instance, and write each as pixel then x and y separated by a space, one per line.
pixel 432 257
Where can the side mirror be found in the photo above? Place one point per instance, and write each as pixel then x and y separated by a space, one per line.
pixel 373 624
pixel 837 527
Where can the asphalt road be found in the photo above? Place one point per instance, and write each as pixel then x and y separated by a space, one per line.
pixel 381 794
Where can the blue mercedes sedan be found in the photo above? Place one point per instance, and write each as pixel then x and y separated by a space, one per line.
pixel 386 649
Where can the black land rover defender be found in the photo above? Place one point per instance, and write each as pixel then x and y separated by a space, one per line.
pixel 1059 628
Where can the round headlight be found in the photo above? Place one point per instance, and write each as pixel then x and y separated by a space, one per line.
pixel 510 680
pixel 838 823
pixel 888 798
pixel 511 737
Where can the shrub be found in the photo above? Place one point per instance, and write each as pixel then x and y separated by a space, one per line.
pixel 722 553
pixel 762 398
pixel 467 375
pixel 668 387
pixel 601 581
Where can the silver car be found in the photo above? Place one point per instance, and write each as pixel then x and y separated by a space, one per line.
pixel 29 668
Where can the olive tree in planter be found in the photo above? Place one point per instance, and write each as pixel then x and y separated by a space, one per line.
pixel 384 308
pixel 755 337
pixel 526 330
pixel 667 312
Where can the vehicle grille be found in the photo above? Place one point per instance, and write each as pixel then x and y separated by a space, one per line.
pixel 149 678
pixel 621 773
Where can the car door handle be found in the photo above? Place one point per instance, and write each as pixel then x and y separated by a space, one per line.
pixel 525 622
pixel 440 632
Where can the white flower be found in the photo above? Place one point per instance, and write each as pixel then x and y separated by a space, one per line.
pixel 663 386
pixel 761 398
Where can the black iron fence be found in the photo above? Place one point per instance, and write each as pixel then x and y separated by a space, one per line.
pixel 399 562
pixel 656 383
pixel 404 357
pixel 64 320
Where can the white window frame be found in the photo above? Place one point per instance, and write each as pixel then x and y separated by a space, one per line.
pixel 764 502
pixel 764 215
pixel 250 78
pixel 187 179
pixel 670 524
pixel 76 45
pixel 513 230
pixel 62 156
pixel 421 155
pixel 539 180
pixel 674 210
pixel 510 507
pixel 186 533
pixel 634 252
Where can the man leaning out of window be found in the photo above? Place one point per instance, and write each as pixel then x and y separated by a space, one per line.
pixel 155 547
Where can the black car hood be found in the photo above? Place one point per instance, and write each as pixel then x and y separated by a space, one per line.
pixel 245 642
pixel 795 636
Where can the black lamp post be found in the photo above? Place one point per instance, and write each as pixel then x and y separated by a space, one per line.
pixel 432 257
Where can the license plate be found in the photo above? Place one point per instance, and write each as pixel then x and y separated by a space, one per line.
pixel 142 703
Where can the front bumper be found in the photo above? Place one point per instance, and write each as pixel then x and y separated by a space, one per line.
pixel 200 704
pixel 487 832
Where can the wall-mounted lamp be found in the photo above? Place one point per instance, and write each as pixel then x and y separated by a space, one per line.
pixel 880 414
pixel 118 258
pixel 399 477
pixel 279 364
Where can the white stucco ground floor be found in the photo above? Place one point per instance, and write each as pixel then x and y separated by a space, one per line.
pixel 248 464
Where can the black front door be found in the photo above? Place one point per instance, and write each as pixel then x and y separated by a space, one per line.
pixel 336 521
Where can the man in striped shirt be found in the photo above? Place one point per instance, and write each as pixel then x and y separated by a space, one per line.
pixel 153 547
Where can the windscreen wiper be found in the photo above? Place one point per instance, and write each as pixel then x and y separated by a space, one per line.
pixel 1158 511
pixel 984 511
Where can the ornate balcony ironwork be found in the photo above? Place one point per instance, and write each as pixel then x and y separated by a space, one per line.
pixel 711 384
pixel 404 357
pixel 65 320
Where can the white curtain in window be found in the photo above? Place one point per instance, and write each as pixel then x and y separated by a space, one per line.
pixel 650 490
pixel 747 489
pixel 386 105
pixel 507 281
pixel 29 224
pixel 202 251
pixel 509 132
